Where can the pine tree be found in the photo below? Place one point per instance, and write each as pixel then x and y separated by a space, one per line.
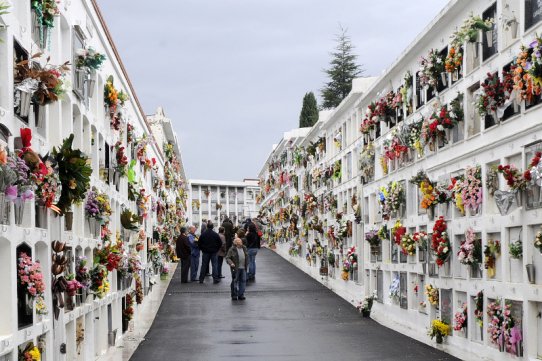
pixel 309 111
pixel 343 68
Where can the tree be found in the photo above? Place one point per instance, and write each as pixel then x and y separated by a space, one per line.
pixel 343 68
pixel 309 111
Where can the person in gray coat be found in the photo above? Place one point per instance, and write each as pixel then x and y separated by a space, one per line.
pixel 237 259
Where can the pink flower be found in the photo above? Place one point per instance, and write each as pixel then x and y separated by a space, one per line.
pixel 11 193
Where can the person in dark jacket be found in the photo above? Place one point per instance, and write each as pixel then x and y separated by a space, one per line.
pixel 253 245
pixel 237 258
pixel 182 247
pixel 209 243
pixel 195 254
pixel 228 232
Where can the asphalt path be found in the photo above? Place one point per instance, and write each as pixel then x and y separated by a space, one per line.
pixel 286 316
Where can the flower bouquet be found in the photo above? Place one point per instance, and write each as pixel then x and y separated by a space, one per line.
pixel 372 238
pixel 48 185
pixel 73 285
pixel 366 305
pixel 432 295
pixel 491 251
pixel 30 353
pixel 538 240
pixel 470 29
pixel 121 159
pixel 515 249
pixel 431 68
pixel 408 244
pixel 454 59
pixel 503 330
pixel 440 243
pixel 493 96
pixel 45 84
pixel 395 288
pixel 479 308
pixel 525 86
pixel 513 176
pixel 394 148
pixel 112 97
pixel 433 132
pixel 470 250
pixel 89 59
pixel 31 278
pixel 438 330
pixel 74 173
pixel 129 220
pixel 99 283
pixel 82 274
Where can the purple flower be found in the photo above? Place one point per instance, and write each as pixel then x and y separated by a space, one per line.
pixel 533 44
pixel 11 193
pixel 27 195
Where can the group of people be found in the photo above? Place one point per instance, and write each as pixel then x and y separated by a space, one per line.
pixel 237 245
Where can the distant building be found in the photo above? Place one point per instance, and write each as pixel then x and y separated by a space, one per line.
pixel 214 200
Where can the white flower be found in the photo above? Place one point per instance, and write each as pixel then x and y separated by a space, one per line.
pixel 81 52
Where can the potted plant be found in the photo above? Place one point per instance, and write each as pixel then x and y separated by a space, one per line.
pixel 438 330
pixel 366 305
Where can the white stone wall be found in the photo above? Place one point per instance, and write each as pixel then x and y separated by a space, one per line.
pixel 85 119
pixel 504 143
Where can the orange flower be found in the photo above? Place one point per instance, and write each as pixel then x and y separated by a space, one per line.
pixel 3 156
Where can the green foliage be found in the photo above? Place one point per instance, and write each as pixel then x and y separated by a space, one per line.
pixel 74 172
pixel 129 220
pixel 4 8
pixel 343 69
pixel 309 111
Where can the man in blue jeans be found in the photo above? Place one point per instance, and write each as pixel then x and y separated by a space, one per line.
pixel 209 243
pixel 253 245
pixel 194 254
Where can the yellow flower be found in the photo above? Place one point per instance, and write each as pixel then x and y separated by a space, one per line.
pixel 35 354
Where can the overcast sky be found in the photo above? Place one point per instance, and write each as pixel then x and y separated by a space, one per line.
pixel 231 74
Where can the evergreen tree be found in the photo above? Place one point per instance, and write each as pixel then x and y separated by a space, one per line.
pixel 343 68
pixel 309 111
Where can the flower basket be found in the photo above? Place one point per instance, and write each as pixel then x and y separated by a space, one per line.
pixel 431 213
pixel 25 101
pixel 514 28
pixel 4 209
pixel 444 78
pixel 18 210
pixel 41 216
pixel 40 121
pixel 91 83
pixel 80 78
pixel 530 273
pixel 475 49
pixel 489 37
pixel 163 276
pixel 366 313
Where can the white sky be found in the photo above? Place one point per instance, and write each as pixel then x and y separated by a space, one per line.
pixel 231 74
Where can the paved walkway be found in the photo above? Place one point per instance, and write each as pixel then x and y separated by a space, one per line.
pixel 287 316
